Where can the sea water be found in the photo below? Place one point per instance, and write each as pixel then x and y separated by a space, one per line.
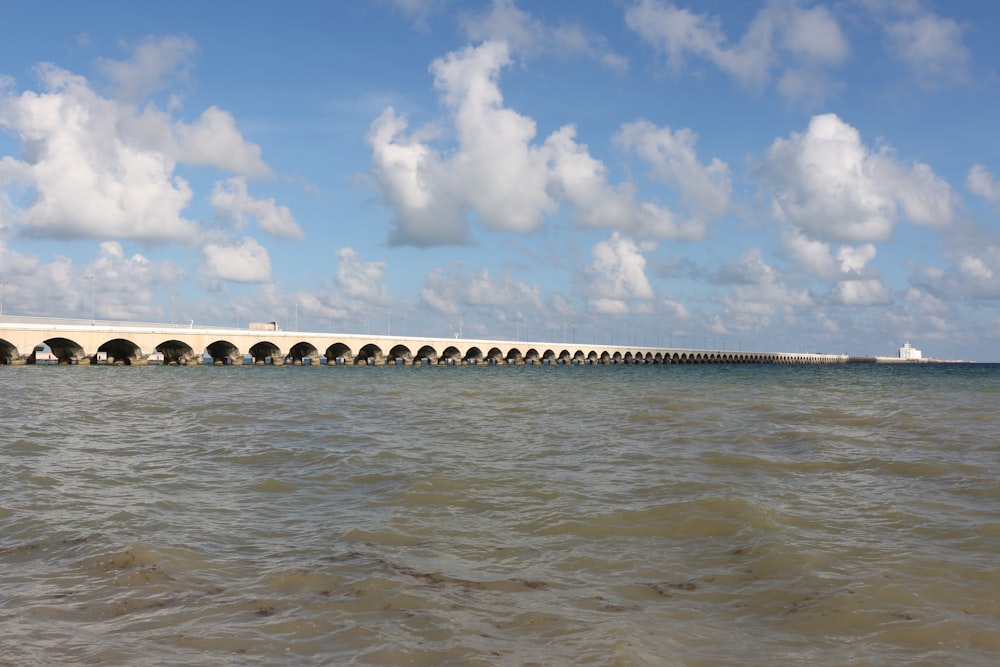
pixel 529 515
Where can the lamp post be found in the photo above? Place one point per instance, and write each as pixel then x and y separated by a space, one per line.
pixel 1 298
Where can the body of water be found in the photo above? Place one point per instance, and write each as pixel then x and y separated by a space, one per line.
pixel 640 515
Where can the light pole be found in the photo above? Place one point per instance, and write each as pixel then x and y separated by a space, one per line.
pixel 1 298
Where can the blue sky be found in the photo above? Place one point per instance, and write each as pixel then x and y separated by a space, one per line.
pixel 790 176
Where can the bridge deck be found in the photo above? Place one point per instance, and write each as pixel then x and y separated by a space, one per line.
pixel 76 342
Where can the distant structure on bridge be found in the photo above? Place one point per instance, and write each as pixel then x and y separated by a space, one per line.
pixel 72 342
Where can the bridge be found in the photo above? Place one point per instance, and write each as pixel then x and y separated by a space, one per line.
pixel 85 342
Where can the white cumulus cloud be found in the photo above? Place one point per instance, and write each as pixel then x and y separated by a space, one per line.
pixel 497 172
pixel 96 167
pixel 231 201
pixel 705 189
pixel 617 275
pixel 832 187
pixel 245 261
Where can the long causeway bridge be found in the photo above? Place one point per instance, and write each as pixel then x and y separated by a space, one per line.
pixel 77 342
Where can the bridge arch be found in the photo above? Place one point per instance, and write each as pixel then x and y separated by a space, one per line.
pixel 451 355
pixel 121 351
pixel 301 351
pixel 473 355
pixel 224 353
pixel 402 352
pixel 177 353
pixel 265 350
pixel 338 351
pixel 514 356
pixel 426 352
pixel 494 356
pixel 66 350
pixel 8 352
pixel 369 354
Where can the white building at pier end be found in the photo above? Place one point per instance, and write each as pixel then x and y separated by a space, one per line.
pixel 909 353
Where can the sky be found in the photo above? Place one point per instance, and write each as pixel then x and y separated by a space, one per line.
pixel 778 175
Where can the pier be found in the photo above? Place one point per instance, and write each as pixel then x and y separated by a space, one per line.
pixel 79 342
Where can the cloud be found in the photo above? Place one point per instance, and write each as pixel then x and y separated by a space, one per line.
pixel 870 292
pixel 617 275
pixel 420 11
pixel 360 280
pixel 26 280
pixel 457 290
pixel 214 141
pixel 580 180
pixel 87 180
pixel 974 254
pixel 414 183
pixel 759 290
pixel 931 46
pixel 154 60
pixel 496 171
pixel 982 182
pixel 504 21
pixel 231 202
pixel 93 167
pixel 831 187
pixel 127 286
pixel 797 44
pixel 116 286
pixel 244 262
pixel 706 190
pixel 504 173
pixel 854 260
pixel 818 258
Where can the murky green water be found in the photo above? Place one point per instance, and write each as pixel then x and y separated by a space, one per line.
pixel 656 515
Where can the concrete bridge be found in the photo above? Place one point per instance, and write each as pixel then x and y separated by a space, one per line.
pixel 36 340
